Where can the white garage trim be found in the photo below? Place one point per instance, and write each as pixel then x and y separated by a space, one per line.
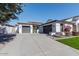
pixel 31 29
pixel 20 29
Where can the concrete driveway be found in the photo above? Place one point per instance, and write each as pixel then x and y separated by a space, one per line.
pixel 36 45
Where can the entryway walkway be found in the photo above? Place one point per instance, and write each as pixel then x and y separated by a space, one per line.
pixel 36 45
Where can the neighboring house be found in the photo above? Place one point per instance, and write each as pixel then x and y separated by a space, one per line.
pixel 7 29
pixel 75 21
pixel 56 26
pixel 30 27
pixel 10 29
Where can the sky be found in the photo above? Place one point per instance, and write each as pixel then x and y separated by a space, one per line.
pixel 41 12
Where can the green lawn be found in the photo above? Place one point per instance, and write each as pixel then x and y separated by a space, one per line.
pixel 73 42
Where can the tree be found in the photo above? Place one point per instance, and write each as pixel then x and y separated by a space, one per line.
pixel 9 11
pixel 67 30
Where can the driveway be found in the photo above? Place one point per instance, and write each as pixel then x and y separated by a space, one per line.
pixel 36 45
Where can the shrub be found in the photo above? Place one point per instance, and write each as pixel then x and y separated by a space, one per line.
pixel 75 33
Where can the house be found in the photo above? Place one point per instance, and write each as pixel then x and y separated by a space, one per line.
pixel 10 28
pixel 30 27
pixel 52 26
pixel 7 29
pixel 56 26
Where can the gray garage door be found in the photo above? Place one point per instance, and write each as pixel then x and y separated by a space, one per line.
pixel 25 29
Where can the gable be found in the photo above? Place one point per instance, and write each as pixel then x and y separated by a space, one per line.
pixel 73 19
pixel 69 20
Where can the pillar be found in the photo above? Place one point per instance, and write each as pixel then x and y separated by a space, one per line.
pixel 31 29
pixel 20 29
pixel 58 27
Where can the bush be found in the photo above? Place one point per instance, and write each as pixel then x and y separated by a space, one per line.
pixel 75 33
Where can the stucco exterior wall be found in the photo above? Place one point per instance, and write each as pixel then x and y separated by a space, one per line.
pixel 20 29
pixel 31 29
pixel 77 25
pixel 58 27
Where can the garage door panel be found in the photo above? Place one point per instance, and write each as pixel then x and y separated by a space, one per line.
pixel 25 29
pixel 47 29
